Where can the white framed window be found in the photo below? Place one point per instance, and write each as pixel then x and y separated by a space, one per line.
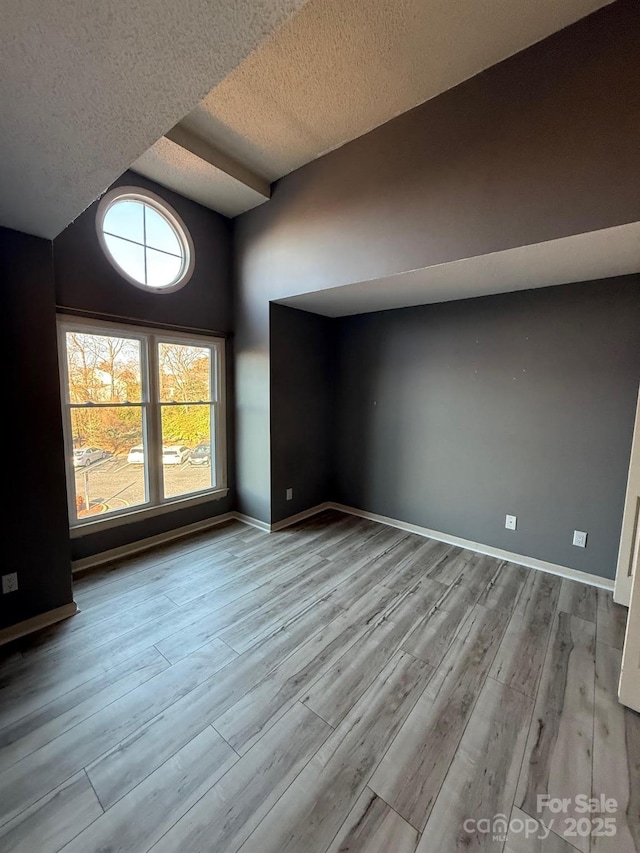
pixel 144 420
pixel 145 240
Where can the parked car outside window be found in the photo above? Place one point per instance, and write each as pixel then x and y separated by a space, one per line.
pixel 201 455
pixel 83 456
pixel 136 455
pixel 175 455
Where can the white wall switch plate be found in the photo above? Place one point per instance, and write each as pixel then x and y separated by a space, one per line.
pixel 510 522
pixel 580 538
pixel 9 583
pixel 289 494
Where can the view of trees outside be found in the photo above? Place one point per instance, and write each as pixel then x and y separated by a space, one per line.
pixel 105 379
pixel 104 370
pixel 185 377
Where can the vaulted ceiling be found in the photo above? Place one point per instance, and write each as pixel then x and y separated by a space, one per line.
pixel 86 88
pixel 333 71
pixel 218 100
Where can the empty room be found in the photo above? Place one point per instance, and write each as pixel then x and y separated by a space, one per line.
pixel 323 514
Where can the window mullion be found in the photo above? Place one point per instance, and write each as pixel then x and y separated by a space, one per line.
pixel 112 477
pixel 153 425
pixel 218 414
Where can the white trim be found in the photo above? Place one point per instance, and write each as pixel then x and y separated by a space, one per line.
pixel 150 542
pixel 479 548
pixel 285 522
pixel 151 408
pixel 630 531
pixel 301 516
pixel 77 531
pixel 629 686
pixel 36 623
pixel 132 328
pixel 164 209
pixel 253 522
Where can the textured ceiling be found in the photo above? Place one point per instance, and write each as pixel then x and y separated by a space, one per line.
pixel 197 179
pixel 86 88
pixel 338 68
pixel 581 257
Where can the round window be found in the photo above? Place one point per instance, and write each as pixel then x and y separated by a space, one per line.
pixel 145 240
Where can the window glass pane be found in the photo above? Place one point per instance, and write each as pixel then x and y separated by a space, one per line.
pixel 159 234
pixel 187 459
pixel 105 480
pixel 162 269
pixel 111 467
pixel 125 219
pixel 185 373
pixel 129 256
pixel 103 368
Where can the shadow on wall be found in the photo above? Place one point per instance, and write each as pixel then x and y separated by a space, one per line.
pixel 253 465
pixel 524 152
pixel 301 416
pixel 451 416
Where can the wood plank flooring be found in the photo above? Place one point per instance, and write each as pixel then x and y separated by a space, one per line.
pixel 337 686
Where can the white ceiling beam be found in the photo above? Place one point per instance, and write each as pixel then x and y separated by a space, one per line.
pixel 86 89
pixel 208 152
pixel 177 168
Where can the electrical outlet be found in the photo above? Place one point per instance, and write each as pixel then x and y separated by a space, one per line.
pixel 289 494
pixel 9 583
pixel 580 538
pixel 510 522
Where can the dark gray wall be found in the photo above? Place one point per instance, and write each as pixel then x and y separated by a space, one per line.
pixel 252 411
pixel 36 541
pixel 302 350
pixel 450 416
pixel 87 283
pixel 541 146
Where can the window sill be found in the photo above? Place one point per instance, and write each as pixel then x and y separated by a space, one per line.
pixel 85 528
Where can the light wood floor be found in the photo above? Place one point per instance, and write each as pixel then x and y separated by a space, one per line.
pixel 338 686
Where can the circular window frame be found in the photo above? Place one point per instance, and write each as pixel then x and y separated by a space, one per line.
pixel 169 214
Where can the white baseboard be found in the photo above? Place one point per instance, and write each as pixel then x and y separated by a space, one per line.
pixel 285 522
pixel 478 547
pixel 150 542
pixel 300 516
pixel 253 522
pixel 43 620
pixel 129 550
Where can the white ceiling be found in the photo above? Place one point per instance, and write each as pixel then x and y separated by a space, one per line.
pixel 86 88
pixel 581 257
pixel 197 178
pixel 338 68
